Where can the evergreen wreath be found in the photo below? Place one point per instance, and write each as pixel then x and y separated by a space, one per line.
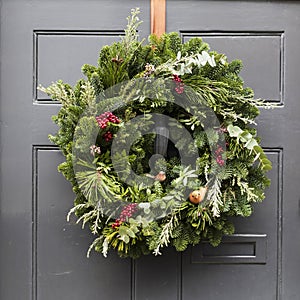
pixel 183 205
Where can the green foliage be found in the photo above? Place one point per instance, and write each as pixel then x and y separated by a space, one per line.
pixel 194 45
pixel 251 144
pixel 234 177
pixel 183 236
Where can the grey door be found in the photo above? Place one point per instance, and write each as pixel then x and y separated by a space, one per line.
pixel 43 256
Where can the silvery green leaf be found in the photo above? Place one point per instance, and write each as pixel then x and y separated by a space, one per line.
pixel 205 54
pixel 125 238
pixel 168 198
pixel 130 232
pixel 178 55
pixel 162 205
pixel 251 143
pixel 223 60
pixel 234 131
pixel 182 68
pixel 144 205
pixel 147 211
pixel 200 60
pixel 211 61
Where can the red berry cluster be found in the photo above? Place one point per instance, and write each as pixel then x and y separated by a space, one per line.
pixel 179 84
pixel 126 213
pixel 108 136
pixel 219 159
pixel 106 117
pixel 116 224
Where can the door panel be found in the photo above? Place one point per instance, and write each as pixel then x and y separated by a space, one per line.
pixel 263 35
pixel 250 258
pixel 42 256
pixel 60 266
pixel 261 53
pixel 68 46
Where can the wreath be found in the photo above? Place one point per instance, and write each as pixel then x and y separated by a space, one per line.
pixel 160 145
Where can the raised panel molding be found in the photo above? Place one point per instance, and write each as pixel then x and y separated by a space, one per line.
pixel 250 248
pixel 59 248
pixel 60 54
pixel 255 249
pixel 262 54
pixel 234 249
pixel 35 173
pixel 164 271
